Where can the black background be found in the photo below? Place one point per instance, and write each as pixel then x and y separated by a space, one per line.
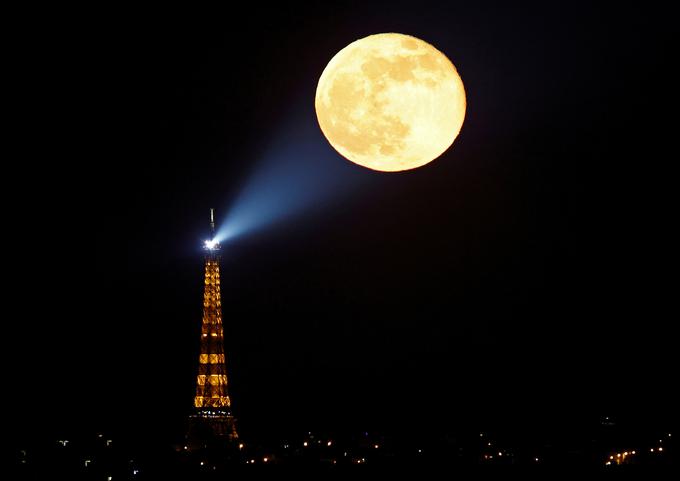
pixel 524 280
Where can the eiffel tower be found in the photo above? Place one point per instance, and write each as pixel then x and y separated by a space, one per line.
pixel 212 423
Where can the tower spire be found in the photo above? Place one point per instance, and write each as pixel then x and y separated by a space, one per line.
pixel 212 245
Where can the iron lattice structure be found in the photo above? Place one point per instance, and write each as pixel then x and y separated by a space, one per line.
pixel 212 420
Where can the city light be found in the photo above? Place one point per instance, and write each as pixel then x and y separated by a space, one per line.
pixel 353 454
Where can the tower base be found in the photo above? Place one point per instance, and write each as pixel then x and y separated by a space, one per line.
pixel 211 429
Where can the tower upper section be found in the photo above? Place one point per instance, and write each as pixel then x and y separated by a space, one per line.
pixel 212 246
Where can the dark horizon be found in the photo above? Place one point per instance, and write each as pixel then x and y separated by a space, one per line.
pixel 518 283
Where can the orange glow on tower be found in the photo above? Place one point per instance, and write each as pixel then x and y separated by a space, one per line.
pixel 212 420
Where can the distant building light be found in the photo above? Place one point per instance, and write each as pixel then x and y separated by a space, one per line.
pixel 536 459
pixel 304 444
pixel 240 446
pixel 632 452
pixel 488 444
pixel 611 457
pixel 608 463
pixel 265 459
pixel 625 453
pixel 420 450
pixel 500 453
pixel 135 471
pixel 108 442
pixel 252 461
pixel 660 449
pixel 329 443
pixel 87 462
pixel 202 463
pixel 376 446
pixel 651 450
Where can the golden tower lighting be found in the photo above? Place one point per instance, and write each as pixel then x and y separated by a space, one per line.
pixel 212 421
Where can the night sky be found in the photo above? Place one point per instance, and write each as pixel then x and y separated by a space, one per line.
pixel 524 280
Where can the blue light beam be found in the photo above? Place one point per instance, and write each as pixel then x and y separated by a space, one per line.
pixel 299 172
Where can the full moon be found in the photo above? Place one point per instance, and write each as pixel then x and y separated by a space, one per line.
pixel 390 102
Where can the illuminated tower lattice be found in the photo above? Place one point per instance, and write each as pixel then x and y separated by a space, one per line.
pixel 212 420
